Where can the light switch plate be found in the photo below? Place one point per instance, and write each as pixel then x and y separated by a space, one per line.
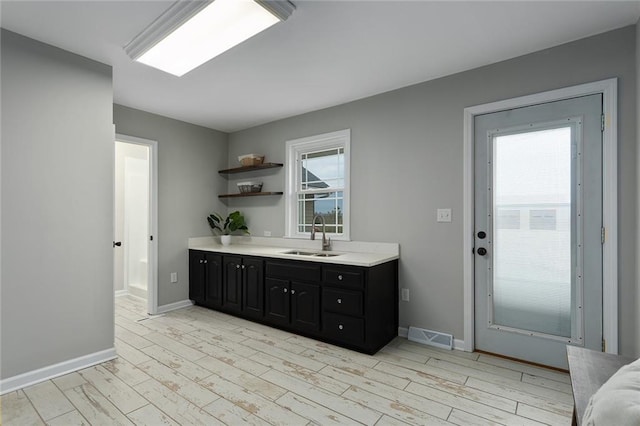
pixel 174 277
pixel 443 215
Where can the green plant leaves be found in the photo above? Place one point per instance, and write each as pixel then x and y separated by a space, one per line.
pixel 234 222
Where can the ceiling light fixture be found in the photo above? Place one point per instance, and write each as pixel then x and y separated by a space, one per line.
pixel 191 33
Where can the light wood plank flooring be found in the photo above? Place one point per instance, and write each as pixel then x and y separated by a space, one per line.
pixel 196 366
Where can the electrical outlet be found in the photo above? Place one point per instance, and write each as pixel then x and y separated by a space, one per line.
pixel 267 233
pixel 443 215
pixel 405 294
pixel 174 277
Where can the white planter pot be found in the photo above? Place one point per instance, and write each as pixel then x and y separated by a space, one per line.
pixel 225 239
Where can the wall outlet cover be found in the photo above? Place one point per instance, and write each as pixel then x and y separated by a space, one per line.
pixel 405 294
pixel 443 215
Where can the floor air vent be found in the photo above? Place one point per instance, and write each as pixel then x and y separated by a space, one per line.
pixel 432 338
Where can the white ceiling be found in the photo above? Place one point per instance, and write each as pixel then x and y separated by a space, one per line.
pixel 325 54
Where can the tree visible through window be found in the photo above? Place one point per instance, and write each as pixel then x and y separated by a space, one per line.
pixel 318 184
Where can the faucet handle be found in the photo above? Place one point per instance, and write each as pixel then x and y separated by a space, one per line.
pixel 327 244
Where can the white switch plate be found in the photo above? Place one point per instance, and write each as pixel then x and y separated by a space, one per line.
pixel 443 215
pixel 174 277
pixel 405 294
pixel 267 233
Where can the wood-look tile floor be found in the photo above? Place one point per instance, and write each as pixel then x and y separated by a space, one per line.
pixel 197 366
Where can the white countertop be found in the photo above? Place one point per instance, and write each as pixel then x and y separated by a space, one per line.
pixel 349 252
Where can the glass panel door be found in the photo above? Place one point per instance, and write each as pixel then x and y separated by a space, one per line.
pixel 538 222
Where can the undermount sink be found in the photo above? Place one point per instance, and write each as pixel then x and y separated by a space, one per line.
pixel 311 253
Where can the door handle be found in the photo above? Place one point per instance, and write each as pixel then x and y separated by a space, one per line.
pixel 117 243
pixel 482 251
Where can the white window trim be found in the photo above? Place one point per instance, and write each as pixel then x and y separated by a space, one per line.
pixel 609 90
pixel 327 140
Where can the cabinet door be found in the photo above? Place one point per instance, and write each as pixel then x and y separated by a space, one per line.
pixel 277 300
pixel 213 280
pixel 252 287
pixel 305 306
pixel 196 276
pixel 232 291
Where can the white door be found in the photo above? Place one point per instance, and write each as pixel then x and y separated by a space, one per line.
pixel 135 205
pixel 538 224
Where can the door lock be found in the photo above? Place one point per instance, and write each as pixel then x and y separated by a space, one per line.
pixel 482 235
pixel 482 251
pixel 117 243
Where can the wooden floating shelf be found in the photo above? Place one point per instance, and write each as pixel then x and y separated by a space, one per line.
pixel 248 194
pixel 250 168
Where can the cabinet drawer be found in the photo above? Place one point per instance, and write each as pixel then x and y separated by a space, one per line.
pixel 343 276
pixel 346 329
pixel 293 271
pixel 342 301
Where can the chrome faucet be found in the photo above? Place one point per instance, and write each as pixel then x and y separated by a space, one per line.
pixel 326 242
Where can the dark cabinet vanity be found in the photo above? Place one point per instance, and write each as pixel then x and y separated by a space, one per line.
pixel 351 306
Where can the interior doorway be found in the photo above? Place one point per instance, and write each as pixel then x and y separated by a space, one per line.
pixel 135 212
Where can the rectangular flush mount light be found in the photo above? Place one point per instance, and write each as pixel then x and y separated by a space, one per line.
pixel 191 33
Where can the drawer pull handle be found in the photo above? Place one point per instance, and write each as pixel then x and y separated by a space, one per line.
pixel 339 301
pixel 340 327
pixel 293 291
pixel 340 277
pixel 286 290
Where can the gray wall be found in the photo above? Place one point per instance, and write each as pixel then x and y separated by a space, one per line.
pixel 189 158
pixel 407 161
pixel 637 295
pixel 57 207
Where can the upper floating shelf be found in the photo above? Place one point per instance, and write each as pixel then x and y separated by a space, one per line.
pixel 250 168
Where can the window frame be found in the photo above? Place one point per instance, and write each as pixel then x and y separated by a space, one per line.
pixel 295 148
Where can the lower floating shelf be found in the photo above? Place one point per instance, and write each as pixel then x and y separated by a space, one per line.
pixel 248 194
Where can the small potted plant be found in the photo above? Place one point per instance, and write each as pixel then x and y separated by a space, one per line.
pixel 234 222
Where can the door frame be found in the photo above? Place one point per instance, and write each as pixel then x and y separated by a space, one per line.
pixel 609 90
pixel 152 264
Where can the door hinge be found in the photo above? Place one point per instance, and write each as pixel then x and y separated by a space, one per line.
pixel 602 235
pixel 150 237
pixel 602 122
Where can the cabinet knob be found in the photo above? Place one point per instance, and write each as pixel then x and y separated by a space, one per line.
pixel 293 291
pixel 242 266
pixel 204 261
pixel 340 327
pixel 339 300
pixel 340 277
pixel 285 290
pixel 201 261
pixel 237 266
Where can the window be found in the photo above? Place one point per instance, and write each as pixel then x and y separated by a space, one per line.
pixel 318 185
pixel 508 219
pixel 542 219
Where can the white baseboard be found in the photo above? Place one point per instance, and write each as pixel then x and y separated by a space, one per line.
pixel 457 343
pixel 40 375
pixel 173 306
pixel 120 293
